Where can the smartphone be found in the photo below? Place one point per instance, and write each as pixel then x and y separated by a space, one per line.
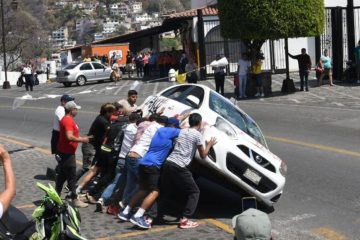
pixel 248 202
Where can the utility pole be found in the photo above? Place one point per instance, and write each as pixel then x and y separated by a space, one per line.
pixel 350 29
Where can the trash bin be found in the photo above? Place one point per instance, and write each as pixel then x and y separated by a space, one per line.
pixel 172 75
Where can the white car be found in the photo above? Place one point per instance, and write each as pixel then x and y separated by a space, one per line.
pixel 241 157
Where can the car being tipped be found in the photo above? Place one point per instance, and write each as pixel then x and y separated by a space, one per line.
pixel 83 72
pixel 241 158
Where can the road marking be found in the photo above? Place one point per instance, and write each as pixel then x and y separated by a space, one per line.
pixel 139 233
pixel 225 227
pixel 338 104
pixel 315 95
pixel 108 87
pixel 315 146
pixel 46 109
pixel 295 100
pixel 328 233
pixel 155 88
pixel 340 93
pixel 120 88
pixel 24 144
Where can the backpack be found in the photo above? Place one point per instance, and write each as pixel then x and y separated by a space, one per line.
pixel 114 137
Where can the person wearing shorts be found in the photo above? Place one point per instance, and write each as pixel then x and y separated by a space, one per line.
pixel 149 173
pixel 326 64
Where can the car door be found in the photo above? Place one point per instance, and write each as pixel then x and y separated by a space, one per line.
pixel 100 71
pixel 87 70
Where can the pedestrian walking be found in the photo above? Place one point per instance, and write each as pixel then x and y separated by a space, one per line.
pixel 129 63
pixel 326 64
pixel 176 175
pixel 146 64
pixel 357 61
pixel 68 142
pixel 129 104
pixel 149 173
pixel 139 63
pixel 243 69
pixel 29 83
pixel 220 73
pixel 304 62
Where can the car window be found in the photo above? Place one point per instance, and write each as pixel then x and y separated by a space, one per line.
pixel 70 66
pixel 86 66
pixel 180 93
pixel 98 66
pixel 229 112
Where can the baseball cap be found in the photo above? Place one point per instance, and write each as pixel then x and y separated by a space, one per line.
pixel 66 98
pixel 173 121
pixel 252 224
pixel 71 105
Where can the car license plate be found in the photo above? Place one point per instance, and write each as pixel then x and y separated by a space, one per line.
pixel 252 176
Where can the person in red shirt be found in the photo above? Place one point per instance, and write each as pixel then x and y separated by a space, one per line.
pixel 68 142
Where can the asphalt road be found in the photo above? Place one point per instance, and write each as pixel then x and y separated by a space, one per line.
pixel 316 133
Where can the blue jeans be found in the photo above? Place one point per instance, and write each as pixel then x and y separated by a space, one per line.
pixel 120 168
pixel 132 176
pixel 242 88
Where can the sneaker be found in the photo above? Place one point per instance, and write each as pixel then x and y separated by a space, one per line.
pixel 113 210
pixel 79 204
pixel 122 205
pixel 257 95
pixel 90 199
pixel 262 95
pixel 140 222
pixel 99 205
pixel 186 223
pixel 123 216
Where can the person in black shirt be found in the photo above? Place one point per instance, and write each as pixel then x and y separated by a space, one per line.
pixel 304 61
pixel 91 151
pixel 129 63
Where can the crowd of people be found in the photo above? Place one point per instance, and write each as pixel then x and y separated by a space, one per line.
pixel 133 165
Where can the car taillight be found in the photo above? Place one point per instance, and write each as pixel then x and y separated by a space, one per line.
pixel 66 73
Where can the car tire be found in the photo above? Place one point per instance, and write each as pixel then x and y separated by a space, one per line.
pixel 81 80
pixel 67 84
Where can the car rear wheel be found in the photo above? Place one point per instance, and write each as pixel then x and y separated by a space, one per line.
pixel 67 84
pixel 80 81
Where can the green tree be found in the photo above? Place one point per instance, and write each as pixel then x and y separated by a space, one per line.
pixel 255 21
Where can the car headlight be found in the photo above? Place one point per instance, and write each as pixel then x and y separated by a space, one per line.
pixel 223 126
pixel 283 168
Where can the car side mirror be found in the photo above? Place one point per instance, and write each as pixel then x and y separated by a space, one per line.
pixel 194 101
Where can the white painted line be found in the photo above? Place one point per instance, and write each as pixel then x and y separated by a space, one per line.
pixel 294 100
pixel 108 87
pixel 120 88
pixel 315 95
pixel 338 104
pixel 340 93
pixel 155 88
pixel 72 90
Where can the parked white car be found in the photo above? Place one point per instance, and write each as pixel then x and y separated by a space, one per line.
pixel 241 157
pixel 81 73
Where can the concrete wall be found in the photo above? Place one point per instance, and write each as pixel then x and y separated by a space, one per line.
pixel 13 77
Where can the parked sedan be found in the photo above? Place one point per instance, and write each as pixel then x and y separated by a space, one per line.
pixel 241 158
pixel 81 73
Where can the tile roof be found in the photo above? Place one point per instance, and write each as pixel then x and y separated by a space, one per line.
pixel 207 11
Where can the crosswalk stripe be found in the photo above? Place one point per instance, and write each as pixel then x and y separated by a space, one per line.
pixel 121 87
pixel 110 85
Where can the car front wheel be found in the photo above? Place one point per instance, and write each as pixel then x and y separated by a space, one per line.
pixel 80 81
pixel 67 84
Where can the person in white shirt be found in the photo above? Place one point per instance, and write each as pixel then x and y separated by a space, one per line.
pixel 59 114
pixel 29 83
pixel 243 68
pixel 8 194
pixel 129 104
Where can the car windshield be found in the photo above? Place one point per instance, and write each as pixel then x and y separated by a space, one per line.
pixel 228 111
pixel 70 66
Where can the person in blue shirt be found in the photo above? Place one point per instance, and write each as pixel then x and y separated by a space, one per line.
pixel 326 64
pixel 149 173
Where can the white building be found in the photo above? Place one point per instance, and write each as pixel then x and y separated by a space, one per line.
pixel 60 37
pixel 142 18
pixel 98 36
pixel 109 26
pixel 136 7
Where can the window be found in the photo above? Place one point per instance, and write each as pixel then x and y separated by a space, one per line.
pixel 98 66
pixel 71 66
pixel 180 93
pixel 229 112
pixel 86 66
